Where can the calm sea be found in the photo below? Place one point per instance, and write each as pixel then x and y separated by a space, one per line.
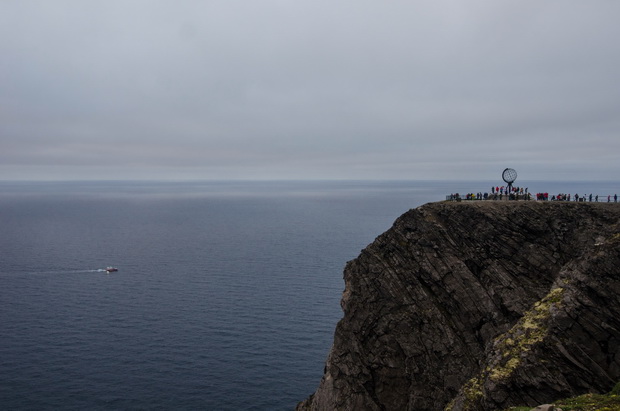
pixel 226 297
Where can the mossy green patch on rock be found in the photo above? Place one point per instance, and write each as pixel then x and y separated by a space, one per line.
pixel 512 347
pixel 615 238
pixel 529 331
pixel 616 390
pixel 473 390
pixel 586 402
pixel 473 393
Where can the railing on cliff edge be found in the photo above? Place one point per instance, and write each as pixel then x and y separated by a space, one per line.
pixel 531 197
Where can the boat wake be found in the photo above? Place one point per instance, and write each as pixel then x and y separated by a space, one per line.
pixel 98 270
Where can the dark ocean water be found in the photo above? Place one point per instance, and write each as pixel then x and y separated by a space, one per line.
pixel 226 298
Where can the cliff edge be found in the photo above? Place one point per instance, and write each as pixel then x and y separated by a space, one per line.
pixel 479 306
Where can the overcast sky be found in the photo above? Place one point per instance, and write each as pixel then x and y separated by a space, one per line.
pixel 231 89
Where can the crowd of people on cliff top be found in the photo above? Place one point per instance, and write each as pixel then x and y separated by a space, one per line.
pixel 520 193
pixel 497 193
pixel 567 197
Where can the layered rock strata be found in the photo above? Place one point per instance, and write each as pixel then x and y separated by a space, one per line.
pixel 479 306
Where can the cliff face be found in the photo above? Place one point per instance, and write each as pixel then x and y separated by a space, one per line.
pixel 479 306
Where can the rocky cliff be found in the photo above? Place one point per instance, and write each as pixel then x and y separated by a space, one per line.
pixel 479 306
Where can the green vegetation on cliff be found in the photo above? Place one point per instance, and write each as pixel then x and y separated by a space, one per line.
pixel 587 402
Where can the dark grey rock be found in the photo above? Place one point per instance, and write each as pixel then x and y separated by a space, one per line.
pixel 479 306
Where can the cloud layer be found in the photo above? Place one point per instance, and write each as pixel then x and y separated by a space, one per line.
pixel 310 89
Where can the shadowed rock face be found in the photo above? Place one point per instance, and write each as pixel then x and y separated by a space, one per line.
pixel 481 306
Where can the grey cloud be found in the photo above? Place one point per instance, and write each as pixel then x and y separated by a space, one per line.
pixel 308 89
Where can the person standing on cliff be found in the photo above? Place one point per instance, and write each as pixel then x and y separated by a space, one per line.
pixel 615 198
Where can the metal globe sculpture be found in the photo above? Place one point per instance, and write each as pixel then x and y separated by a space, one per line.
pixel 509 175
